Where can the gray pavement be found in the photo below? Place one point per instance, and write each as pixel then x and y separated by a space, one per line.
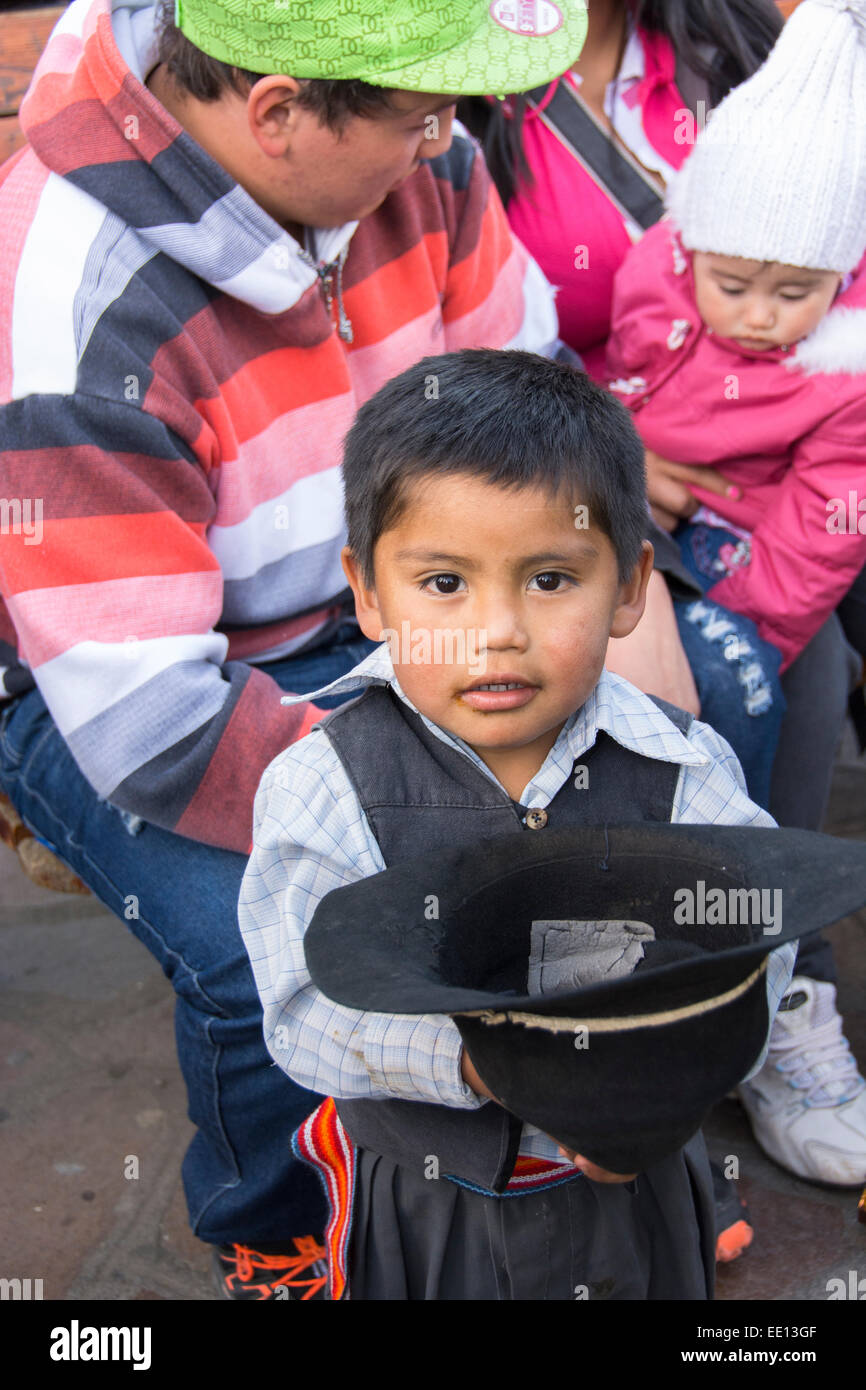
pixel 93 1120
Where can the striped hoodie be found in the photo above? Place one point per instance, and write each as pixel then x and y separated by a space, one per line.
pixel 173 399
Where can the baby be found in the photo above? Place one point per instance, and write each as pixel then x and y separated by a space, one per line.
pixel 739 335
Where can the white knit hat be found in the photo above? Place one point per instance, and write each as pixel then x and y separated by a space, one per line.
pixel 779 171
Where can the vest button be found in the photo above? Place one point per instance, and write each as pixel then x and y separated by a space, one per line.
pixel 537 819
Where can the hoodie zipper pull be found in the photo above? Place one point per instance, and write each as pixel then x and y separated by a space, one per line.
pixel 326 280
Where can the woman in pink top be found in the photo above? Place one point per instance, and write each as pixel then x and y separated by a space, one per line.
pixel 644 64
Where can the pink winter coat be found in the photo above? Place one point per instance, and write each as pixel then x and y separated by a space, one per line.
pixel 788 427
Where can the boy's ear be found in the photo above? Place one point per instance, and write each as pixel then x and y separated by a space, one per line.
pixel 632 595
pixel 272 112
pixel 366 603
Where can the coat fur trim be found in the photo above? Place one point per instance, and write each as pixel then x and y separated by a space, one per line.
pixel 838 344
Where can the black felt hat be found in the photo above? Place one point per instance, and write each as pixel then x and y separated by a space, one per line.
pixel 609 983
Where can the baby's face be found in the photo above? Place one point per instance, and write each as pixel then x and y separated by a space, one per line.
pixel 500 609
pixel 761 306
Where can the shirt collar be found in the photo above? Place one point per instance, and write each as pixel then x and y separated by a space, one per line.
pixel 614 706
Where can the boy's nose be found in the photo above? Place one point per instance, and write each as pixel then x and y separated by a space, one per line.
pixel 504 629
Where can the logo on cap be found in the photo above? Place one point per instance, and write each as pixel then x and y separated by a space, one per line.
pixel 529 18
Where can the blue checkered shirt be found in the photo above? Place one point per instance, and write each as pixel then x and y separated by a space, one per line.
pixel 311 836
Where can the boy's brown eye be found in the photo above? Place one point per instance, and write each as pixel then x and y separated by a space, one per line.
pixel 446 583
pixel 549 581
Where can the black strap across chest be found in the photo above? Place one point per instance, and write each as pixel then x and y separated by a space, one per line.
pixel 609 165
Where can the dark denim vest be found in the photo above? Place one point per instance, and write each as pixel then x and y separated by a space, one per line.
pixel 418 793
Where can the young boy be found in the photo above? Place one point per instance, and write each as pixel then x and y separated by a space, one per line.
pixel 495 506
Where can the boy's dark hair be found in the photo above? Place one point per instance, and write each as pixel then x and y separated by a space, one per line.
pixel 512 418
pixel 206 78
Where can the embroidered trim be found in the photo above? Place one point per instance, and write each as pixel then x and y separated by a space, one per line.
pixel 526 1177
pixel 322 1142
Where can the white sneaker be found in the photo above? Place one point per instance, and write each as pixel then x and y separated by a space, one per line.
pixel 807 1104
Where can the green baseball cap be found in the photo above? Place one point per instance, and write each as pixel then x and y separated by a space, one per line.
pixel 464 47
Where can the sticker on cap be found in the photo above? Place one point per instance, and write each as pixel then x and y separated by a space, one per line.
pixel 530 18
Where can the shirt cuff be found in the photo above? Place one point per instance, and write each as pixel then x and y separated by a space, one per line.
pixel 418 1059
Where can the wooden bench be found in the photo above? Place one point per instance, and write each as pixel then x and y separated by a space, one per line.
pixel 24 31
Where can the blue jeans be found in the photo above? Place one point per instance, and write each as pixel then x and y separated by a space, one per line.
pixel 179 897
pixel 736 672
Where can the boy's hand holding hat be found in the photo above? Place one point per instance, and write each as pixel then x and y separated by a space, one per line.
pixel 609 984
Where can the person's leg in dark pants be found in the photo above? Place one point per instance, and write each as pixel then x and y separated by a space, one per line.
pixel 852 615
pixel 816 688
pixel 179 898
pixel 807 1105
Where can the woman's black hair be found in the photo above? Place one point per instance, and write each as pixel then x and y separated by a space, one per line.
pixel 740 33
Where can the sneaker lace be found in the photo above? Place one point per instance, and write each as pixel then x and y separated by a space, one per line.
pixel 821 1064
pixel 286 1268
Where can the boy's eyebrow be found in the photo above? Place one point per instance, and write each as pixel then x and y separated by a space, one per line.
pixel 440 557
pixel 585 548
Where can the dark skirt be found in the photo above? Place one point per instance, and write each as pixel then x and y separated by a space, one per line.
pixel 418 1238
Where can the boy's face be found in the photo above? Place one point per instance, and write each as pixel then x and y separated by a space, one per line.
pixel 761 306
pixel 483 587
pixel 326 178
pixel 295 166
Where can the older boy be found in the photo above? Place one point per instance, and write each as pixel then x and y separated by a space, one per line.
pixel 495 506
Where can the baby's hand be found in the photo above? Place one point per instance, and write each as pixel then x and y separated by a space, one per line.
pixel 669 485
pixel 592 1170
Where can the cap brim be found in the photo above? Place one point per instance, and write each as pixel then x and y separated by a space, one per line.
pixel 494 59
pixel 449 933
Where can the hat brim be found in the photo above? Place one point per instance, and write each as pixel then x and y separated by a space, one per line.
pixel 494 59
pixel 370 945
pixel 622 1070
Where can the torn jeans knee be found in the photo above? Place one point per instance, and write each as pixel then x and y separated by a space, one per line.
pixel 718 626
pixel 132 824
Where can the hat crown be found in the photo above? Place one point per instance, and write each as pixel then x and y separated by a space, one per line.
pixel 454 47
pixel 779 171
pixel 855 8
pixel 333 34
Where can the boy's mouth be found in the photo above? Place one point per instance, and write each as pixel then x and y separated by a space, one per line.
pixel 505 694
